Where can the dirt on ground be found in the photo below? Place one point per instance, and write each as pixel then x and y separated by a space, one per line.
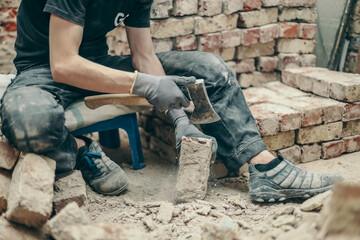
pixel 149 202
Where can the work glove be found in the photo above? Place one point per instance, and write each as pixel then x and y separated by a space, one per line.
pixel 162 91
pixel 183 128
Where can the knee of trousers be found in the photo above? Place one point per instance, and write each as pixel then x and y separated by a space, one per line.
pixel 32 120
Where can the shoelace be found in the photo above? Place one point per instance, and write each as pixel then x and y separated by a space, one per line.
pixel 93 166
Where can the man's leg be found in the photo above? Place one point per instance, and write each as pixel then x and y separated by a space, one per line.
pixel 271 179
pixel 33 120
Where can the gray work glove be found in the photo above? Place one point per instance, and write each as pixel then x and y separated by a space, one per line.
pixel 162 91
pixel 183 128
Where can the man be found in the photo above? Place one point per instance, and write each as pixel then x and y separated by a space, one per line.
pixel 62 56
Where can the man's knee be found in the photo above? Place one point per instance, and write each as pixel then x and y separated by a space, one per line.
pixel 32 119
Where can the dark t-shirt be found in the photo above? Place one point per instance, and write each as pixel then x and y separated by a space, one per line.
pixel 98 17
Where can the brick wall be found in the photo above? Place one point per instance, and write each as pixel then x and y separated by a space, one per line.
pixel 354 37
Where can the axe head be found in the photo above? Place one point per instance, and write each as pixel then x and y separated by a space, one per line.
pixel 203 111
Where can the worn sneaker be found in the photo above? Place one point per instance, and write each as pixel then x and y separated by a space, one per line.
pixel 287 181
pixel 102 174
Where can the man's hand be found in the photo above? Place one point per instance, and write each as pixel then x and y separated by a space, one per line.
pixel 162 91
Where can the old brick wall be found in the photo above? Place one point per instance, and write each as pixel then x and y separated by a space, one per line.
pixel 354 37
pixel 257 38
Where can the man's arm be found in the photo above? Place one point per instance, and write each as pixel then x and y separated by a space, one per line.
pixel 70 68
pixel 142 51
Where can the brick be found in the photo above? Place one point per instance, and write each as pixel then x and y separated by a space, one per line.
pixel 185 7
pixel 70 215
pixel 226 54
pixel 250 36
pixel 351 112
pixel 288 29
pixel 185 43
pixel 352 144
pixel 293 154
pixel 268 123
pixel 332 111
pixel 9 3
pixel 351 62
pixel 231 38
pixel 271 3
pixel 279 141
pixel 351 128
pixel 5 178
pixel 101 231
pixel 231 6
pixel 307 31
pixel 307 60
pixel 194 169
pixel 172 27
pixel 164 131
pixel 209 42
pixel 165 212
pixel 245 65
pixel 164 150
pixel 298 14
pixel 14 231
pixel 295 46
pixel 9 155
pixel 332 149
pixel 161 8
pixel 209 7
pixel 281 90
pixel 269 33
pixel 288 60
pixel 267 64
pixel 299 3
pixel 216 23
pixel 313 134
pixel 310 152
pixel 31 190
pixel 145 138
pixel 258 18
pixel 257 78
pixel 259 95
pixel 255 50
pixel 291 76
pixel 218 170
pixel 232 66
pixel 69 187
pixel 251 5
pixel 162 45
pixel 9 26
pixel 348 89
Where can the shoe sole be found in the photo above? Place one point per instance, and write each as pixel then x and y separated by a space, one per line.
pixel 266 194
pixel 113 193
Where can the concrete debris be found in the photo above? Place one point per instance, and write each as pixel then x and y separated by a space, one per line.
pixel 149 223
pixel 303 232
pixel 165 212
pixel 204 211
pixel 285 220
pixel 104 232
pixel 70 187
pixel 9 155
pixel 194 169
pixel 68 216
pixel 226 230
pixel 315 203
pixel 10 230
pixel 5 178
pixel 31 190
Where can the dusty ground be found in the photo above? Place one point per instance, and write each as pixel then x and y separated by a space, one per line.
pixel 226 200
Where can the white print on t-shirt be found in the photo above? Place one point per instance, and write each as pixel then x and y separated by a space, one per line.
pixel 119 18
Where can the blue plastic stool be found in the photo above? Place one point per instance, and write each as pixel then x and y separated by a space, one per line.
pixel 109 135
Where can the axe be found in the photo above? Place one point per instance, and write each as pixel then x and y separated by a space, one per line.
pixel 203 111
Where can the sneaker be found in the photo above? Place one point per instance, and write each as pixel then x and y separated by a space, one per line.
pixel 102 174
pixel 286 181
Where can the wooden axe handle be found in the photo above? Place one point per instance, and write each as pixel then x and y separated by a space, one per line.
pixel 97 101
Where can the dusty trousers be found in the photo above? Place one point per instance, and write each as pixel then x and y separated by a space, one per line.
pixel 32 108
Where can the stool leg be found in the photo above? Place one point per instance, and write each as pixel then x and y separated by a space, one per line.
pixel 110 138
pixel 132 130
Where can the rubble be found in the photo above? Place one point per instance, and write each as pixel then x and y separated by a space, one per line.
pixel 9 155
pixel 5 178
pixel 165 212
pixel 315 203
pixel 70 187
pixel 31 190
pixel 10 230
pixel 194 169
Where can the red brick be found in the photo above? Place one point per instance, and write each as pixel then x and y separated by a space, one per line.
pixel 209 7
pixel 9 26
pixel 246 65
pixel 289 60
pixel 255 50
pixel 332 149
pixel 299 3
pixel 9 155
pixel 250 36
pixel 352 144
pixel 251 5
pixel 293 154
pixel 209 42
pixel 184 43
pixel 8 12
pixel 267 64
pixel 352 111
pixel 288 29
pixel 231 38
pixel 307 30
pixel 268 123
pixel 269 32
pixel 307 60
pixel 310 152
